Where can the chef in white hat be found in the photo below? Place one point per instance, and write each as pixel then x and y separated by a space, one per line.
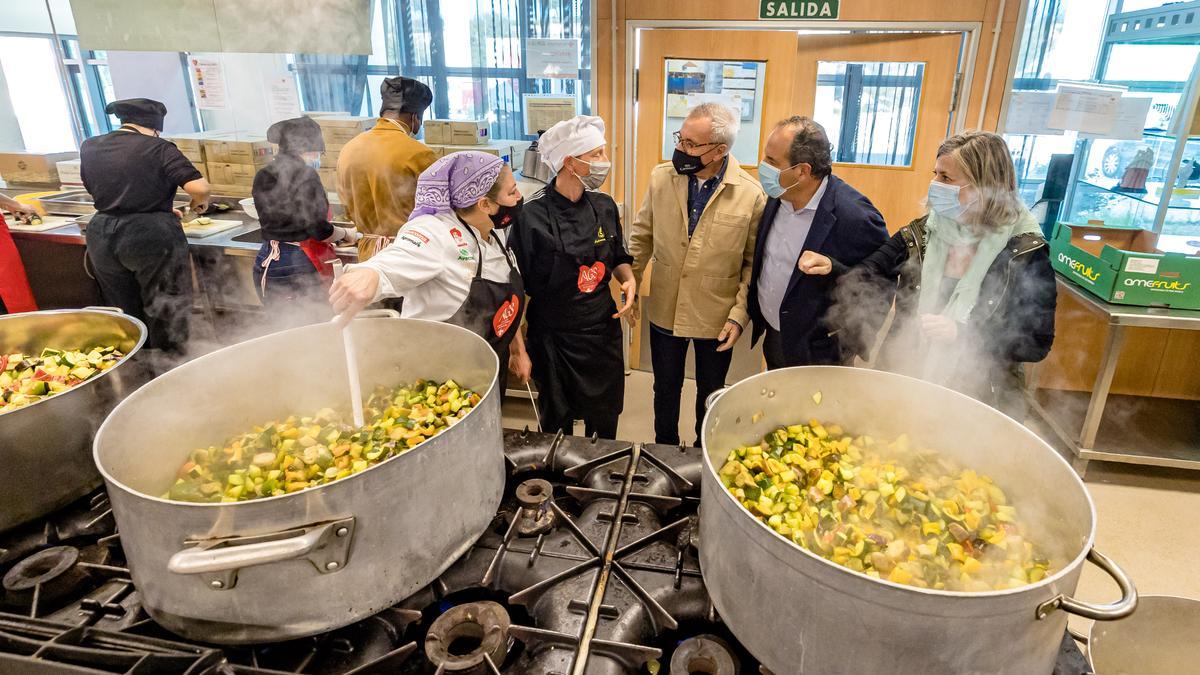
pixel 569 244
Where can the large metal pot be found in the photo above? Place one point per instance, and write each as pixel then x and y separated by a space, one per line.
pixel 304 563
pixel 1159 639
pixel 799 613
pixel 44 446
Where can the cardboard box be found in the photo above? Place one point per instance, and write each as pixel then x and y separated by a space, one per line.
pixel 329 178
pixel 238 149
pixel 321 113
pixel 226 173
pixel 329 159
pixel 437 132
pixel 468 132
pixel 500 150
pixel 230 190
pixel 337 130
pixel 32 167
pixel 191 145
pixel 68 172
pixel 1126 266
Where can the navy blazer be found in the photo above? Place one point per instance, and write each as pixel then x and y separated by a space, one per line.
pixel 847 227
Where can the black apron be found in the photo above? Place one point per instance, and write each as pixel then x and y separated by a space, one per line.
pixel 574 342
pixel 492 309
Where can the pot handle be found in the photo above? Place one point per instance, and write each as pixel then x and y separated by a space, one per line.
pixel 1110 612
pixel 106 308
pixel 378 314
pixel 712 398
pixel 325 545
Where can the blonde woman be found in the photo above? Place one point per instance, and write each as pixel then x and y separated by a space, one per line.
pixel 971 280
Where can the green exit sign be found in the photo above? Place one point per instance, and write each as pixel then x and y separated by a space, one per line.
pixel 799 9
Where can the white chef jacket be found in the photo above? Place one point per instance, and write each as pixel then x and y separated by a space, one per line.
pixel 432 263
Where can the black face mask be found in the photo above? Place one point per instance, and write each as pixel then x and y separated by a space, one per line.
pixel 507 215
pixel 685 164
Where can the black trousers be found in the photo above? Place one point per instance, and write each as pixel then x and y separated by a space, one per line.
pixel 604 426
pixel 773 349
pixel 142 264
pixel 668 354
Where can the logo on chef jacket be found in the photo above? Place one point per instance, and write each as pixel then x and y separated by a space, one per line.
pixel 506 315
pixel 458 238
pixel 600 238
pixel 415 238
pixel 465 255
pixel 590 277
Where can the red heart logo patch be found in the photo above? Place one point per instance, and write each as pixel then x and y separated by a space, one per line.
pixel 505 316
pixel 590 277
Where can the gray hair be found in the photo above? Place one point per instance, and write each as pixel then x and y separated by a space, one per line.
pixel 724 123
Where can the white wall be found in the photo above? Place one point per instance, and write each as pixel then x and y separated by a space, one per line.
pixel 10 128
pixel 156 75
pixel 247 83
pixel 29 16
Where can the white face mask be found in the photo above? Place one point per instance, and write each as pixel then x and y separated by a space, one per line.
pixel 943 200
pixel 596 175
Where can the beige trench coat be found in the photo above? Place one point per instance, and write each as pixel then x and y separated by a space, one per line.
pixel 698 283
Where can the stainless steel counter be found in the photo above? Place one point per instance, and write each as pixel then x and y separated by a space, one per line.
pixel 1150 431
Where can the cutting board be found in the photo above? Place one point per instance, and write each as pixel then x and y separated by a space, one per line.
pixel 201 231
pixel 48 223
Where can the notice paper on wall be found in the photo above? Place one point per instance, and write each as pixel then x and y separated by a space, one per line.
pixel 1088 108
pixel 729 100
pixel 552 57
pixel 283 101
pixel 543 111
pixel 1130 121
pixel 208 78
pixel 1029 113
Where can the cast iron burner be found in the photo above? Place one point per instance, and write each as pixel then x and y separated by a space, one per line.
pixel 590 567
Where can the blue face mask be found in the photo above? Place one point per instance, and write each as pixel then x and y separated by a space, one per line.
pixel 768 176
pixel 314 163
pixel 943 200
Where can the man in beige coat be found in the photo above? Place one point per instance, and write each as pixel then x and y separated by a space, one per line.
pixel 697 224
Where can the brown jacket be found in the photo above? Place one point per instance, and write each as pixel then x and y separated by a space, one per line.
pixel 698 283
pixel 377 178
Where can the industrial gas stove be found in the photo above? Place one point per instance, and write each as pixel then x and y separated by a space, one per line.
pixel 590 567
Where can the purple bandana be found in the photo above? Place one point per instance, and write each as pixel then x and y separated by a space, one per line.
pixel 456 181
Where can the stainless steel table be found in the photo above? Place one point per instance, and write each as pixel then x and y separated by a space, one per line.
pixel 1139 429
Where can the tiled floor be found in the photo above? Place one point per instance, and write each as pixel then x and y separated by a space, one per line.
pixel 1146 516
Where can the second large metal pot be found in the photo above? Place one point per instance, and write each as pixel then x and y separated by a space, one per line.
pixel 307 562
pixel 44 447
pixel 800 613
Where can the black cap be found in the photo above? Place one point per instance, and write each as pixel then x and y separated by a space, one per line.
pixel 300 134
pixel 404 94
pixel 140 111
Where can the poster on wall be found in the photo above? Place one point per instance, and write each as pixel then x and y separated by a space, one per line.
pixel 1090 108
pixel 208 80
pixel 737 85
pixel 552 57
pixel 283 100
pixel 544 111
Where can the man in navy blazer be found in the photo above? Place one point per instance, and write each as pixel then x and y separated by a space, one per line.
pixel 809 209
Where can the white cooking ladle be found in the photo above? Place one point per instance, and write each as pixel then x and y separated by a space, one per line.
pixel 356 404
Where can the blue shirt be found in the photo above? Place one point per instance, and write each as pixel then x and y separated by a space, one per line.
pixel 781 253
pixel 700 193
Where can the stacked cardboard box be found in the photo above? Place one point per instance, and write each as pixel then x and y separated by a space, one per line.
pixel 192 146
pixel 512 152
pixel 456 132
pixel 337 130
pixel 68 173
pixel 233 159
pixel 32 167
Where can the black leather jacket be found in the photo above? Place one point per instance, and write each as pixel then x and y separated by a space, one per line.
pixel 1013 319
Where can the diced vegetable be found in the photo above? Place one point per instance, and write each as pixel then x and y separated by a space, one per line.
pixel 25 379
pixel 884 509
pixel 302 452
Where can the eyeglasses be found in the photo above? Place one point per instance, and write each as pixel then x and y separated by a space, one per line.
pixel 685 144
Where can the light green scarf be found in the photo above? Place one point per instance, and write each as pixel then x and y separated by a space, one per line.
pixel 944 233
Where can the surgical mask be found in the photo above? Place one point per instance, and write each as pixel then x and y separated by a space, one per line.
pixel 943 200
pixel 507 215
pixel 314 162
pixel 596 175
pixel 687 165
pixel 768 177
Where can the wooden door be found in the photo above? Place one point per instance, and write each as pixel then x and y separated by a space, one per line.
pixel 897 191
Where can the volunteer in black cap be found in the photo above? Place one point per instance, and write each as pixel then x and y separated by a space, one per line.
pixel 293 211
pixel 135 243
pixel 377 170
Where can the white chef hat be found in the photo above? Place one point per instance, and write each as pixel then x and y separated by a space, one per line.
pixel 580 134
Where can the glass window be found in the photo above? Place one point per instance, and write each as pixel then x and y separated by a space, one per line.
pixel 869 110
pixel 42 111
pixel 736 84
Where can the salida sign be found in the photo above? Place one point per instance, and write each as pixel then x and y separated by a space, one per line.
pixel 799 9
